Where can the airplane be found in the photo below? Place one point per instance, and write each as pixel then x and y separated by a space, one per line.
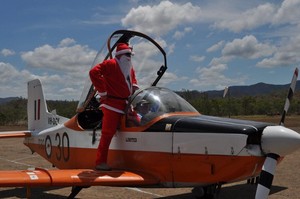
pixel 172 146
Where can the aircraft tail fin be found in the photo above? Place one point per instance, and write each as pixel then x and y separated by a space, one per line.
pixel 37 112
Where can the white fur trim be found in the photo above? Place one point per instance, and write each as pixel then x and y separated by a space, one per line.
pixel 112 108
pixel 103 94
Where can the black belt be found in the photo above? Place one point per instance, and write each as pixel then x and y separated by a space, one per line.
pixel 115 97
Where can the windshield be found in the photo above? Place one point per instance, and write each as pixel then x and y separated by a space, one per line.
pixel 153 102
pixel 149 62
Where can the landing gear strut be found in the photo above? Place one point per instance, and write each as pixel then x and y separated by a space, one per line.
pixel 254 180
pixel 207 192
pixel 75 191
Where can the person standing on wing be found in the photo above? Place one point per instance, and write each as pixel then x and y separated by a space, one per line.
pixel 115 81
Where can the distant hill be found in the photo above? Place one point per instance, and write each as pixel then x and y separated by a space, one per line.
pixel 253 90
pixel 7 99
pixel 238 91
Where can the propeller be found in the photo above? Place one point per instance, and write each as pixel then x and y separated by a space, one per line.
pixel 276 141
pixel 289 96
pixel 266 176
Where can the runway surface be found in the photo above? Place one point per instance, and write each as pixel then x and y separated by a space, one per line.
pixel 15 155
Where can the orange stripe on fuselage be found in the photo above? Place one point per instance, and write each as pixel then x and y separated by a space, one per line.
pixel 123 126
pixel 73 122
pixel 183 168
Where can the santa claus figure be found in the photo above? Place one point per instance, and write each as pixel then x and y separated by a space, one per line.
pixel 115 81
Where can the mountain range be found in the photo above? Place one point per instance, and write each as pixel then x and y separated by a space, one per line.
pixel 7 99
pixel 253 90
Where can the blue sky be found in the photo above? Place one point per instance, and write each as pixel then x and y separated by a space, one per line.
pixel 210 44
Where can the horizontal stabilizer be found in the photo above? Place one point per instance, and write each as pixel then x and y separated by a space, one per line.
pixel 74 177
pixel 15 134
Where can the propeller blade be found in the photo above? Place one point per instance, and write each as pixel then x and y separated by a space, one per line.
pixel 266 176
pixel 289 96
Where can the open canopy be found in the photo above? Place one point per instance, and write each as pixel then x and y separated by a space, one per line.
pixel 152 103
pixel 149 62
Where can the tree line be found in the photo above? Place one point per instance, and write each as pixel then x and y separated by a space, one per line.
pixel 14 112
pixel 270 104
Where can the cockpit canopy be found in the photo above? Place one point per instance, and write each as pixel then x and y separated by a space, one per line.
pixel 153 102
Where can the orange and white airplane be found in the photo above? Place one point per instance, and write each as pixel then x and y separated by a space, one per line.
pixel 172 146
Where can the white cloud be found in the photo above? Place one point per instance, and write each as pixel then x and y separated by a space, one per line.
pixel 162 18
pixel 288 12
pixel 66 42
pixel 169 78
pixel 197 58
pixel 279 59
pixel 62 70
pixel 249 19
pixel 247 47
pixel 213 77
pixel 180 34
pixel 235 16
pixel 286 54
pixel 13 81
pixel 171 48
pixel 66 57
pixel 215 47
pixel 220 60
pixel 8 72
pixel 7 52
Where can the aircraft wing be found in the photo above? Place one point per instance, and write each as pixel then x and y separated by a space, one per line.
pixel 15 134
pixel 74 177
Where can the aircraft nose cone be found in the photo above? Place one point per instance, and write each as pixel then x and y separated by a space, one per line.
pixel 279 140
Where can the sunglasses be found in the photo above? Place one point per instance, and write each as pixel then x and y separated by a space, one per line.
pixel 128 54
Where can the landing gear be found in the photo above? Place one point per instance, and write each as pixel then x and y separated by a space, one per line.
pixel 75 191
pixel 254 180
pixel 207 192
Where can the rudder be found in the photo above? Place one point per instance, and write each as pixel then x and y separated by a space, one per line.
pixel 36 106
pixel 37 112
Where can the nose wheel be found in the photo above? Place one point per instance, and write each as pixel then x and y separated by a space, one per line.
pixel 207 192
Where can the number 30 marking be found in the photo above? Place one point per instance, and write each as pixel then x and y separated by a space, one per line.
pixel 63 146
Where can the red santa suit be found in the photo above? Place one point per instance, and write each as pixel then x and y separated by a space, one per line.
pixel 115 81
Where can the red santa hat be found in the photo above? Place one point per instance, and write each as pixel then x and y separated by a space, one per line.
pixel 123 48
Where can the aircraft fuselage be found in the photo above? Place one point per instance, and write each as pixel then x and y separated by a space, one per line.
pixel 223 150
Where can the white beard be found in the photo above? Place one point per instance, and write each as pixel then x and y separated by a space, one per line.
pixel 125 66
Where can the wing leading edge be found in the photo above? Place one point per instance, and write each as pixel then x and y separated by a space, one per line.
pixel 74 177
pixel 15 134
